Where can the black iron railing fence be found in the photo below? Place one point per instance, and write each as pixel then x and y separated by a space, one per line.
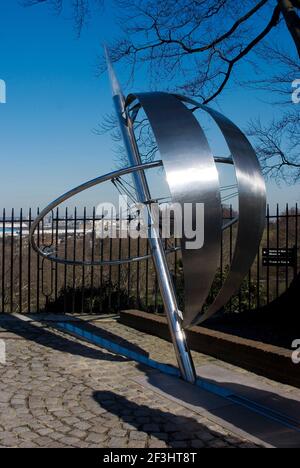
pixel 30 284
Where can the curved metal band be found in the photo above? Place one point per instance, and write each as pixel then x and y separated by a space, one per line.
pixel 192 178
pixel 76 191
pixel 252 207
pixel 87 263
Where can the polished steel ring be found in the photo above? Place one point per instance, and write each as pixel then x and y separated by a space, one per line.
pixel 75 191
pixel 46 252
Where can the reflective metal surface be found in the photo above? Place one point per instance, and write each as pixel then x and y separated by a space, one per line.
pixel 72 193
pixel 192 177
pixel 166 286
pixel 252 208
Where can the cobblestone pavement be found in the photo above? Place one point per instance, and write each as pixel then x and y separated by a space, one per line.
pixel 57 391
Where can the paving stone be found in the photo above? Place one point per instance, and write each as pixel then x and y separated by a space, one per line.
pixel 150 428
pixel 179 444
pixel 96 438
pixel 136 444
pixel 217 444
pixel 117 442
pixel 77 434
pixel 157 444
pixel 247 445
pixel 197 444
pixel 134 435
pixel 119 433
pixel 44 432
pixel 27 445
pixel 103 430
pixel 60 392
pixel 180 436
pixel 160 435
pixel 205 436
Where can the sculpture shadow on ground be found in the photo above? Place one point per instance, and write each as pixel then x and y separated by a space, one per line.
pixel 174 389
pixel 238 418
pixel 176 430
pixel 40 333
pixel 270 417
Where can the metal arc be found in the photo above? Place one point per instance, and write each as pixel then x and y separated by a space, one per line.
pixel 252 207
pixel 76 191
pixel 192 177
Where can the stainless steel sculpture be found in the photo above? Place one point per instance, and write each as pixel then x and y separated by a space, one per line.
pixel 192 176
pixel 166 285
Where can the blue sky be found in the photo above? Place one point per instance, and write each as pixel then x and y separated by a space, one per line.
pixel 55 99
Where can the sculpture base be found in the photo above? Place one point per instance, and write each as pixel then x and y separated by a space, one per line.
pixel 267 360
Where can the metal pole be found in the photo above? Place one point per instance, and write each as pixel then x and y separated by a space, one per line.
pixel 174 316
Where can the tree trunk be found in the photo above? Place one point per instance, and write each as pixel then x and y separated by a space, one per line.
pixel 289 11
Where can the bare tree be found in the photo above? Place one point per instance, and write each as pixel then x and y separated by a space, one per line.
pixel 144 136
pixel 204 40
pixel 198 47
pixel 199 43
pixel 278 142
pixel 81 9
pixel 277 146
pixel 289 11
pixel 286 68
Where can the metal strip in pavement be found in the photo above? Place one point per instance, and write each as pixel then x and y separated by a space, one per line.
pixel 167 369
pixel 202 383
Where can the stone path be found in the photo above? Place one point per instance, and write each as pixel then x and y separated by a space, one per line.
pixel 57 391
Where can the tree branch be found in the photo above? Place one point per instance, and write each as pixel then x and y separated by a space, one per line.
pixel 289 12
pixel 273 22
